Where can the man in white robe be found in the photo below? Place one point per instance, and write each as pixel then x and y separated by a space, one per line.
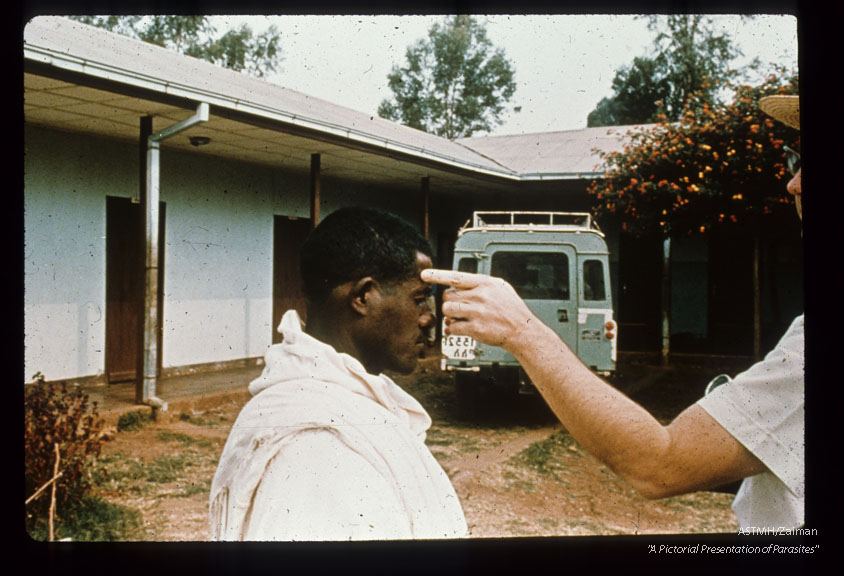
pixel 330 448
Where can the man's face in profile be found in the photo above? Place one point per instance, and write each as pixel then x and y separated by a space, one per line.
pixel 397 336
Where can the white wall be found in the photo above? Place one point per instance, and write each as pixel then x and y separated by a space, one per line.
pixel 218 252
pixel 65 182
pixel 218 246
pixel 219 256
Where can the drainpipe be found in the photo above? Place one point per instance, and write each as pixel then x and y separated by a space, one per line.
pixel 151 315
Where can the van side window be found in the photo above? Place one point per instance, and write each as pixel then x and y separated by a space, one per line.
pixel 593 280
pixel 468 265
pixel 534 275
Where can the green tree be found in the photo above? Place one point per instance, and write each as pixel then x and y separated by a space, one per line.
pixel 638 89
pixel 238 49
pixel 690 57
pixel 455 82
pixel 719 165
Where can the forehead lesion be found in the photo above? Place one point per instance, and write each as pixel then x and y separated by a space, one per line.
pixel 424 261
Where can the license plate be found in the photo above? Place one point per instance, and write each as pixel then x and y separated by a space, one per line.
pixel 458 347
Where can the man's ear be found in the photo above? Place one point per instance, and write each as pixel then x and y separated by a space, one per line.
pixel 363 294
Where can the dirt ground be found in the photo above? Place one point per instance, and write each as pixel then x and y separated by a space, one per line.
pixel 516 471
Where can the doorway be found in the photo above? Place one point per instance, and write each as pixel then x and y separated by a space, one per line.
pixel 639 298
pixel 125 288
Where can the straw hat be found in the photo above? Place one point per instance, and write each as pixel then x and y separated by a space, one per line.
pixel 785 108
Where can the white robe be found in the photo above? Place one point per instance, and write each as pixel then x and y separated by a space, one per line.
pixel 326 451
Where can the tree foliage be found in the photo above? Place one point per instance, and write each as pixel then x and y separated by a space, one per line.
pixel 637 89
pixel 720 164
pixel 454 83
pixel 238 49
pixel 690 57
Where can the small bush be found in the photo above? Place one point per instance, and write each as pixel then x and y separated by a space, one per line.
pixel 58 414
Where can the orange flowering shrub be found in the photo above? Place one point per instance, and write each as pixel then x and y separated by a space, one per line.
pixel 720 163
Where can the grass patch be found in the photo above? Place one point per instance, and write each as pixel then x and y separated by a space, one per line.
pixel 193 488
pixel 439 437
pixel 544 456
pixel 122 474
pixel 92 519
pixel 698 501
pixel 168 436
pixel 167 468
pixel 133 420
pixel 516 482
pixel 549 523
pixel 583 527
pixel 186 439
pixel 516 528
pixel 199 420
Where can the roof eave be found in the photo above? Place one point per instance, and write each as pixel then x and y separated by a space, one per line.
pixel 70 63
pixel 543 176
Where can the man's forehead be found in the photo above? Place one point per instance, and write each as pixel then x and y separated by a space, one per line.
pixel 415 284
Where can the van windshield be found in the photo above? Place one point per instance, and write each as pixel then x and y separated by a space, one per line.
pixel 534 275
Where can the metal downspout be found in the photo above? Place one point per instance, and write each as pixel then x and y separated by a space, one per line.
pixel 151 313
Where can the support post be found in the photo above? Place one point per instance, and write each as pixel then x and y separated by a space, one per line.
pixel 666 299
pixel 426 206
pixel 145 133
pixel 315 173
pixel 151 204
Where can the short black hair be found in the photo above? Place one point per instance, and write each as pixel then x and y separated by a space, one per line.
pixel 355 242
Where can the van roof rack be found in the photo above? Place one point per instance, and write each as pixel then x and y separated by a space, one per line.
pixel 534 220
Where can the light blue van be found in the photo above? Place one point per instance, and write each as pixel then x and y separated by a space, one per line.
pixel 558 262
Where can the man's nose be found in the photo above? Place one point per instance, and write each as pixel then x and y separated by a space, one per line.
pixel 427 320
pixel 794 185
pixel 429 313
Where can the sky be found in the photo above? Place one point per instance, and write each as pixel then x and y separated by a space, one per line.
pixel 564 64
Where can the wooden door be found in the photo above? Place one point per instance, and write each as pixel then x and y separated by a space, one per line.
pixel 288 236
pixel 125 287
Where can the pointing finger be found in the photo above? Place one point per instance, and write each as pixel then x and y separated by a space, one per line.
pixel 462 280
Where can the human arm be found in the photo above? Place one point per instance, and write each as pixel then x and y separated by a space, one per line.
pixel 316 489
pixel 692 453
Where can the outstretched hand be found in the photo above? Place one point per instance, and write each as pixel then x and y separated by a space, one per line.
pixel 482 307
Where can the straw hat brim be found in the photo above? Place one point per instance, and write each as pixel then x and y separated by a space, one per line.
pixel 785 108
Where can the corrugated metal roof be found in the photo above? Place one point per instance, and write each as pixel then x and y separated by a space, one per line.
pixel 95 52
pixel 108 55
pixel 571 152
